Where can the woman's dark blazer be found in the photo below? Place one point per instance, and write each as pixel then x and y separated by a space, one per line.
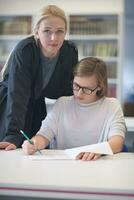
pixel 26 90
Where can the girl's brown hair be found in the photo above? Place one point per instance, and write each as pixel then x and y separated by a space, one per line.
pixel 93 66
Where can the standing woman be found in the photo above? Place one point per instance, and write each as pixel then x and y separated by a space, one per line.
pixel 39 66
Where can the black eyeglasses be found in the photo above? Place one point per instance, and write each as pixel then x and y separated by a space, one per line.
pixel 85 90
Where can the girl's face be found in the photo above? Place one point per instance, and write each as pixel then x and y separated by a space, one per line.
pixel 85 89
pixel 51 34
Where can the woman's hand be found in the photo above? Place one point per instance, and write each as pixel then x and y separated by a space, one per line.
pixel 28 148
pixel 86 156
pixel 7 146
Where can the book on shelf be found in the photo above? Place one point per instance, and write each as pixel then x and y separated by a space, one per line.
pixel 15 25
pixel 111 90
pixel 112 70
pixel 89 24
pixel 100 49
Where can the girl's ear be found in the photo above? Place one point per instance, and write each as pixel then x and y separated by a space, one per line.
pixel 99 88
pixel 99 91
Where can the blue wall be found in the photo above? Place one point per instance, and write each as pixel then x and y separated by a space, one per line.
pixel 128 60
pixel 128 72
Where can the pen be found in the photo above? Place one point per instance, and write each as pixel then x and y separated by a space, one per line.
pixel 30 141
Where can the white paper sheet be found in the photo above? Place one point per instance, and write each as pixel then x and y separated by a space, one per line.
pixel 67 154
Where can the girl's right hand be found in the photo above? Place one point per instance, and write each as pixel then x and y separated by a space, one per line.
pixel 28 148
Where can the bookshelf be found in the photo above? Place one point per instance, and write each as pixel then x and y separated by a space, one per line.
pixel 95 26
pixel 98 35
pixel 13 28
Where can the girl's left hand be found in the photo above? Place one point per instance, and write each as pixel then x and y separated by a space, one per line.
pixel 86 156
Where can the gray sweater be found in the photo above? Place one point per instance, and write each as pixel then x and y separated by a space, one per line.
pixel 73 124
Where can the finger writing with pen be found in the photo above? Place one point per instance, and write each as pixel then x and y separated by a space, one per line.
pixel 29 146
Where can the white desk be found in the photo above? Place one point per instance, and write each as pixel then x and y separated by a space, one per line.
pixel 110 178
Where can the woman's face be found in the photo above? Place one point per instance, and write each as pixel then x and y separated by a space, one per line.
pixel 85 88
pixel 51 34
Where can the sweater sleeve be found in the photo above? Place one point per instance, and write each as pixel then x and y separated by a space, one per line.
pixel 117 120
pixel 50 124
pixel 74 58
pixel 19 93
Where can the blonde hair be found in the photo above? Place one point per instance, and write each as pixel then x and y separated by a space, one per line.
pixel 50 10
pixel 93 66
